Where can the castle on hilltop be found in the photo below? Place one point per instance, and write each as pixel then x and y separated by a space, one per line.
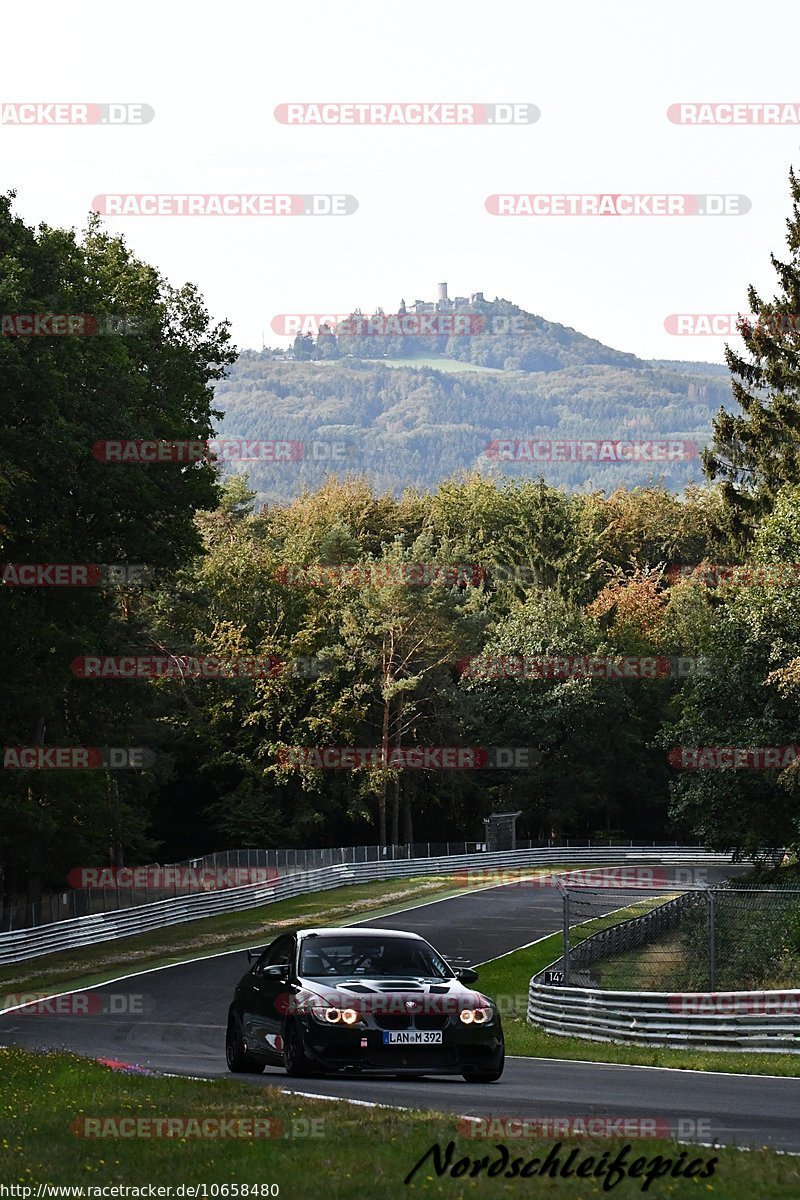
pixel 443 303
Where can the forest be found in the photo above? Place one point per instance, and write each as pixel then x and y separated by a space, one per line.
pixel 405 426
pixel 612 633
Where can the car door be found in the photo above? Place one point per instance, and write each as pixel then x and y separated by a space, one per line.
pixel 259 997
pixel 275 988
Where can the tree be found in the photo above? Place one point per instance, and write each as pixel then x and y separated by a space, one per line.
pixel 756 451
pixel 652 527
pixel 148 377
pixel 303 346
pixel 408 637
pixel 750 696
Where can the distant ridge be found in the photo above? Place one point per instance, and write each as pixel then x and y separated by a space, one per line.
pixel 406 411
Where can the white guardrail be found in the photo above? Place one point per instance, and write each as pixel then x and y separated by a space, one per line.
pixel 21 944
pixel 749 1021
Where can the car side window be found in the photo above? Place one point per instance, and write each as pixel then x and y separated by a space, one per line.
pixel 280 953
pixel 260 963
pixel 440 966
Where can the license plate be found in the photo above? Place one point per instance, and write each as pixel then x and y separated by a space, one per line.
pixel 412 1037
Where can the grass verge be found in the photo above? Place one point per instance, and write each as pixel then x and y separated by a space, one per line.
pixel 356 1151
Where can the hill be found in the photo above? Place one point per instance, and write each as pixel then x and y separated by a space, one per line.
pixel 493 401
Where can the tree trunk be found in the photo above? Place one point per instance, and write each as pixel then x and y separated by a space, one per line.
pixel 396 798
pixel 9 880
pixel 115 857
pixel 382 793
pixel 33 908
pixel 396 813
pixel 408 826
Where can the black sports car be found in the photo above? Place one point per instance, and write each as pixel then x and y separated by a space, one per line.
pixel 376 1001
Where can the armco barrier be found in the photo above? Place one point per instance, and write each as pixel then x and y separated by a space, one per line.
pixel 17 912
pixel 22 944
pixel 749 1021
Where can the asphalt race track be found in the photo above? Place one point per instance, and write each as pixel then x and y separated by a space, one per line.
pixel 173 1019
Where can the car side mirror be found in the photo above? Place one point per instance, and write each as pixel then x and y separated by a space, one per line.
pixel 276 971
pixel 466 975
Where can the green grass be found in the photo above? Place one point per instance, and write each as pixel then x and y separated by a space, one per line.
pixel 653 967
pixel 357 1152
pixel 506 979
pixel 448 365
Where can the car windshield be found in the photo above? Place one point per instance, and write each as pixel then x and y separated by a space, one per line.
pixel 391 958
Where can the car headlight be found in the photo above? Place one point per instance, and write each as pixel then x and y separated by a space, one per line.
pixel 348 1016
pixel 475 1016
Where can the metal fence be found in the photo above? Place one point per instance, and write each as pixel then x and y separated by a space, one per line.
pixel 632 968
pixel 70 902
pixel 731 937
pixel 580 952
pixel 18 945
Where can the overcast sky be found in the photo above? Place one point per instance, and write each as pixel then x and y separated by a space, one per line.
pixel 603 77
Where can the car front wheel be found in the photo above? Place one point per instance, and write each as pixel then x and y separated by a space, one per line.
pixel 486 1076
pixel 236 1056
pixel 294 1052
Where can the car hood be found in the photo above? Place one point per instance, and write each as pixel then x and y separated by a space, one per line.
pixel 376 993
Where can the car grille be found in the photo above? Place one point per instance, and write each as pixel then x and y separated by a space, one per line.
pixel 418 1021
pixel 392 1021
pixel 430 1021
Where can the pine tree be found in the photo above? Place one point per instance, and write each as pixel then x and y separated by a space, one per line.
pixel 757 450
